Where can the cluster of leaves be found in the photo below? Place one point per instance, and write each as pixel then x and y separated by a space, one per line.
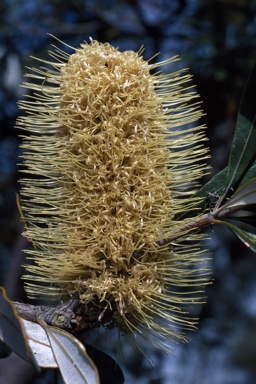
pixel 235 185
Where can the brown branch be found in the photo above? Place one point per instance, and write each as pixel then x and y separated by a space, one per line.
pixel 201 222
pixel 71 315
pixel 60 316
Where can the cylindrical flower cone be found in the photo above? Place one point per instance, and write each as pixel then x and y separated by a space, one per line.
pixel 112 154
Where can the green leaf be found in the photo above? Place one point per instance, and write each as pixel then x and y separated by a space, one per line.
pixel 246 195
pixel 74 363
pixel 12 331
pixel 211 191
pixel 39 344
pixel 109 370
pixel 248 238
pixel 244 142
pixel 250 174
pixel 242 151
pixel 5 351
pixel 216 185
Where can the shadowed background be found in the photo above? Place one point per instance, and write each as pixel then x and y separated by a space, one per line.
pixel 217 41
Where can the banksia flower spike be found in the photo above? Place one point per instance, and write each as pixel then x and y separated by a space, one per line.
pixel 114 155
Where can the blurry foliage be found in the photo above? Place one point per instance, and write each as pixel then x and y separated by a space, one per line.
pixel 216 40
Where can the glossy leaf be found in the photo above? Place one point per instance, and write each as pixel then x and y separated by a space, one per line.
pixel 248 238
pixel 216 185
pixel 12 331
pixel 39 344
pixel 244 142
pixel 250 174
pixel 212 190
pixel 70 354
pixel 243 147
pixel 245 195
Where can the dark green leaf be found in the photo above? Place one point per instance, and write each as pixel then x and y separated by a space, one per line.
pixel 212 190
pixel 5 351
pixel 216 185
pixel 246 195
pixel 109 370
pixel 248 238
pixel 243 148
pixel 250 174
pixel 39 344
pixel 74 363
pixel 12 331
pixel 244 142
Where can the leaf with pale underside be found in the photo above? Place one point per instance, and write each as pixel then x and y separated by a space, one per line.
pixel 39 344
pixel 70 354
pixel 248 238
pixel 12 331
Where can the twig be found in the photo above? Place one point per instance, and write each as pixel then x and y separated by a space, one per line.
pixel 71 315
pixel 201 222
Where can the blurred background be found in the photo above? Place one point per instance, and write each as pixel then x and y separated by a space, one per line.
pixel 216 41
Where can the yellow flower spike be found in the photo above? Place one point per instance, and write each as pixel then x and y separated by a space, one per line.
pixel 112 154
